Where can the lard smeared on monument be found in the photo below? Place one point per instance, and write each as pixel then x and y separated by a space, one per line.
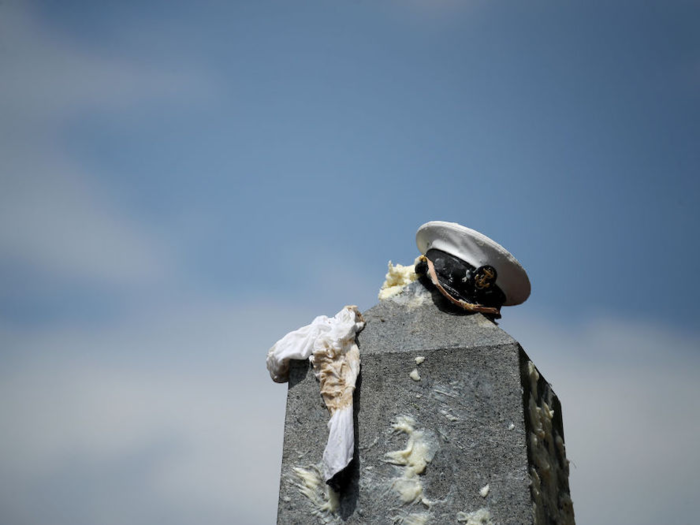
pixel 329 343
pixel 397 278
pixel 485 436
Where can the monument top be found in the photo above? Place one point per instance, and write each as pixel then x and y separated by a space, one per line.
pixel 448 421
pixel 491 263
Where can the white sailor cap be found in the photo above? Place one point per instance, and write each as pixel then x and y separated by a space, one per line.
pixel 478 251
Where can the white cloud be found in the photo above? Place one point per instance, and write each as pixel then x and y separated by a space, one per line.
pixel 180 405
pixel 47 78
pixel 170 416
pixel 54 215
pixel 54 219
pixel 224 434
pixel 629 392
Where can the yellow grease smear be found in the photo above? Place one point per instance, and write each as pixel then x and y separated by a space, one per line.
pixel 479 517
pixel 324 500
pixel 396 279
pixel 551 504
pixel 415 458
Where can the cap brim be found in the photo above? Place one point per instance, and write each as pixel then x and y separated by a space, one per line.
pixel 478 250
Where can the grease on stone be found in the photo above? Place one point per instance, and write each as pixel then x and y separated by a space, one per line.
pixel 420 359
pixel 324 500
pixel 402 288
pixel 484 491
pixel 419 452
pixel 449 416
pixel 415 375
pixel 549 471
pixel 396 280
pixel 337 368
pixel 478 517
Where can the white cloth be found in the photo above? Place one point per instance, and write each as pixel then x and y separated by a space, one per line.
pixel 341 442
pixel 329 343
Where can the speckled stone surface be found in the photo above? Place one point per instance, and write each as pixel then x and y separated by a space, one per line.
pixel 470 404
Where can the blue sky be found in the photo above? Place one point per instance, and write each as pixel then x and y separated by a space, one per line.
pixel 183 183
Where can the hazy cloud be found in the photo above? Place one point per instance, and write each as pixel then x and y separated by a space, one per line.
pixel 186 413
pixel 629 392
pixel 179 405
pixel 167 414
pixel 47 78
pixel 53 214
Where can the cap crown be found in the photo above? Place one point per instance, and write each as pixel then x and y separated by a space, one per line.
pixel 478 250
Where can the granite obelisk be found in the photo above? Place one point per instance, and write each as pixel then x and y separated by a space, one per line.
pixel 453 424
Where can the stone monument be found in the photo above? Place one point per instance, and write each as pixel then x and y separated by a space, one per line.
pixel 452 423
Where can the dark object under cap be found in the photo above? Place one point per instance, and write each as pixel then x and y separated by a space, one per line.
pixel 471 270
